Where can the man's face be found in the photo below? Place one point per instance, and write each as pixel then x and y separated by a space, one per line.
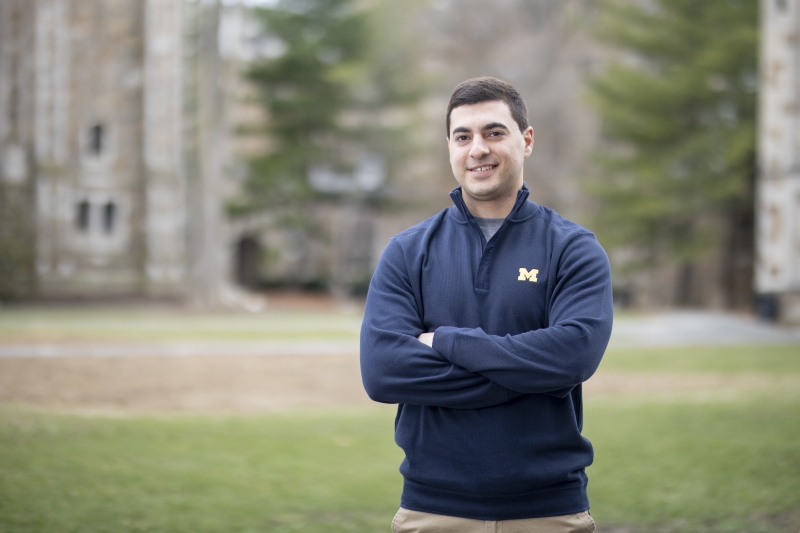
pixel 487 151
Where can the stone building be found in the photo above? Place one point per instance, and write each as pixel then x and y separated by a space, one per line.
pixel 777 276
pixel 117 148
pixel 120 141
pixel 91 126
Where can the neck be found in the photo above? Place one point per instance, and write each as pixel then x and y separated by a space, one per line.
pixel 499 208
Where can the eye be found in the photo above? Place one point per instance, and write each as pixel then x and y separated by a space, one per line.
pixel 461 138
pixel 496 133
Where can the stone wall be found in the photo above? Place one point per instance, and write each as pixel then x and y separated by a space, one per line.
pixel 778 203
pixel 91 110
pixel 17 219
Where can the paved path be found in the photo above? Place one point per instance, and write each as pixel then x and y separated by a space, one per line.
pixel 658 329
pixel 180 348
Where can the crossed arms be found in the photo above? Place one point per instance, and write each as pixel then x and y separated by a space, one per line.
pixel 466 368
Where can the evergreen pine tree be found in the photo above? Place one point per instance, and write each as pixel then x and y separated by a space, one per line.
pixel 678 112
pixel 340 70
pixel 304 90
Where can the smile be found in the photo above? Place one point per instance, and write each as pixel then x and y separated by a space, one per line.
pixel 483 168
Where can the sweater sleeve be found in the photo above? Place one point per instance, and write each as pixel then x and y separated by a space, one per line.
pixel 398 368
pixel 552 359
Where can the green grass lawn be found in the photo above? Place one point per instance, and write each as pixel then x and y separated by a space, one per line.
pixel 727 467
pixel 119 324
pixel 696 467
pixel 689 466
pixel 727 464
pixel 767 359
pixel 327 471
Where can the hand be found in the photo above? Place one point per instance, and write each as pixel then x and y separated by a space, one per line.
pixel 426 338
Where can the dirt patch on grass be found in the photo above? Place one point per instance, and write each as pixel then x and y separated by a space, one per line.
pixel 184 384
pixel 242 383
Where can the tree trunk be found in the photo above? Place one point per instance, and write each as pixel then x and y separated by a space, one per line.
pixel 683 285
pixel 736 268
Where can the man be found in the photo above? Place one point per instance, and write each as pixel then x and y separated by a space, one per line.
pixel 481 323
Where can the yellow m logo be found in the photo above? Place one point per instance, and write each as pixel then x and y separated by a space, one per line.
pixel 530 275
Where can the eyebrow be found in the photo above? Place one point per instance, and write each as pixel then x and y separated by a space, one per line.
pixel 494 125
pixel 487 127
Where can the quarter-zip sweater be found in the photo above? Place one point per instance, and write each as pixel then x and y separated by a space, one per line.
pixel 490 417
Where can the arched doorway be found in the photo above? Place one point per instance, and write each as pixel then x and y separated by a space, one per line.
pixel 248 253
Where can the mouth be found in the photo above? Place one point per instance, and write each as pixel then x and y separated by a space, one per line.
pixel 482 168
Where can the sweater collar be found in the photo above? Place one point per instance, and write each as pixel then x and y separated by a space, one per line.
pixel 523 209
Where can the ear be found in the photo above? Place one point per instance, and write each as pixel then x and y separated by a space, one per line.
pixel 527 137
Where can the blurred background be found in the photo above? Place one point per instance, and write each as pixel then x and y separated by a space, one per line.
pixel 197 151
pixel 194 195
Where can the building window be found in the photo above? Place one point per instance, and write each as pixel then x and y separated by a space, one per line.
pixel 109 216
pixel 96 140
pixel 82 219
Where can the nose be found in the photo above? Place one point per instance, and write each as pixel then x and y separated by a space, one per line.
pixel 478 148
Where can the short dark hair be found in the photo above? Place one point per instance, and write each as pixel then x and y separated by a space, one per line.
pixel 487 89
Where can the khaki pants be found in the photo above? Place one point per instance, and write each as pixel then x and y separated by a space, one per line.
pixel 407 521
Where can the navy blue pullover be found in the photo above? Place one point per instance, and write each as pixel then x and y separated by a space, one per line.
pixel 490 417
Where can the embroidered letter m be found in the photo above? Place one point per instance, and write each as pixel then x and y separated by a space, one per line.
pixel 530 275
